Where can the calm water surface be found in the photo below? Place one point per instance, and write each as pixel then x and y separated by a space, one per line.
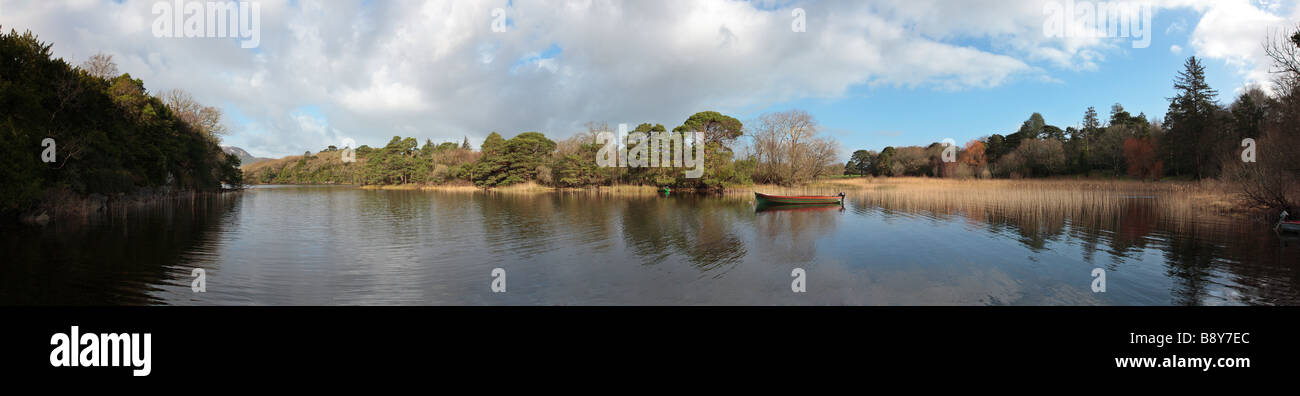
pixel 311 245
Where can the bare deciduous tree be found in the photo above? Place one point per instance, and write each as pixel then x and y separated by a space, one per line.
pixel 787 148
pixel 1270 181
pixel 206 119
pixel 100 65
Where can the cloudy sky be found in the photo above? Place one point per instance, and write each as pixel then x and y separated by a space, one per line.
pixel 874 73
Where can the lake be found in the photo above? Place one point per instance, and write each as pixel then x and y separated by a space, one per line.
pixel 339 245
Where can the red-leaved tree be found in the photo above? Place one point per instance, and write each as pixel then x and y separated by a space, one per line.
pixel 1142 158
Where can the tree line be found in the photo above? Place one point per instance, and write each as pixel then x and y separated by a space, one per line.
pixel 109 134
pixel 1251 143
pixel 1123 145
pixel 783 148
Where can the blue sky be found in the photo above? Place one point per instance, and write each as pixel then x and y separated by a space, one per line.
pixel 1139 79
pixel 874 73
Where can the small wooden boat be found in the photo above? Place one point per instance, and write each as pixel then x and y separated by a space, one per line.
pixel 764 199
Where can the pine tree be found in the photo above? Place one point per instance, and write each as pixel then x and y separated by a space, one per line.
pixel 1087 138
pixel 1189 121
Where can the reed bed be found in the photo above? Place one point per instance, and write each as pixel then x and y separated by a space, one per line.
pixel 943 195
pixel 1051 202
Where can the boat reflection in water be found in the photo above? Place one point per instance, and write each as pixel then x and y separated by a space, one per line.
pixel 769 208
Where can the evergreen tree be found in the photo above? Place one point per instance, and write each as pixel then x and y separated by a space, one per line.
pixel 1189 121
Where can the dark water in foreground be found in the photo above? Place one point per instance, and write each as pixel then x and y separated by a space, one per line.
pixel 338 245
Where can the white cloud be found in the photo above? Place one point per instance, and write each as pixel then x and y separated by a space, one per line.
pixel 383 96
pixel 436 70
pixel 1176 49
pixel 1234 31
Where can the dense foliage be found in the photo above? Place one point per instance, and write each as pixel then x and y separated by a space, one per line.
pixel 110 135
pixel 526 157
pixel 1198 139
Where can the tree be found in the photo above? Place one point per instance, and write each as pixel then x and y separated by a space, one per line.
pixel 1190 121
pixel 428 148
pixel 1270 182
pixel 1142 158
pixel 112 137
pixel 718 129
pixel 1284 51
pixel 996 146
pixel 1032 126
pixel 1248 114
pixel 860 163
pixel 1108 148
pixel 788 149
pixel 205 119
pixel 493 144
pixel 883 166
pixel 910 161
pixel 1090 122
pixel 230 172
pixel 577 167
pixel 973 155
pixel 1035 157
pixel 513 161
pixel 1052 132
pixel 100 65
pixel 464 145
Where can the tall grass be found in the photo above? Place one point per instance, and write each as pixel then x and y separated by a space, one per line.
pixel 1099 203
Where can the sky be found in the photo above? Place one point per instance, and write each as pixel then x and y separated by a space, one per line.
pixel 873 73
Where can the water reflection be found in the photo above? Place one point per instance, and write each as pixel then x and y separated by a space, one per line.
pixel 697 228
pixel 339 245
pixel 122 258
pixel 1207 259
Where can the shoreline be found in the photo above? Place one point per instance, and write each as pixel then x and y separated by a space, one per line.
pixel 1214 195
pixel 1206 196
pixel 61 205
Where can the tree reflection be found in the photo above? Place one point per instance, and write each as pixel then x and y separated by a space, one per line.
pixel 116 259
pixel 1210 258
pixel 699 229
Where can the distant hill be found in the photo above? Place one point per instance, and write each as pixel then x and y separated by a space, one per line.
pixel 326 167
pixel 244 157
